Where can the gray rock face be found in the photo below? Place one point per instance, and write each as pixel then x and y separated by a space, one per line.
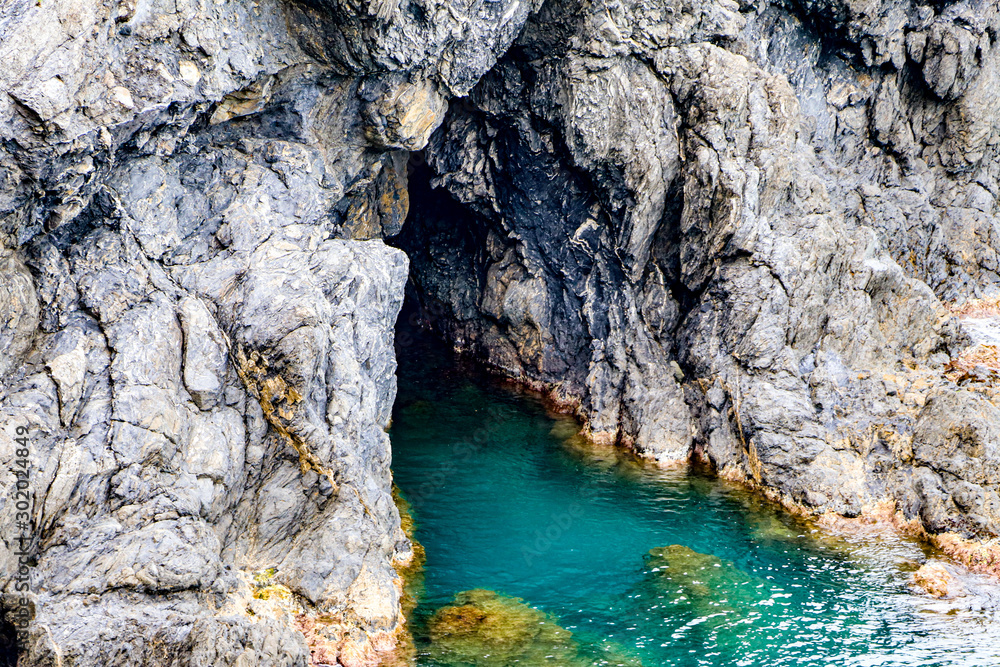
pixel 197 313
pixel 955 457
pixel 18 310
pixel 723 230
pixel 159 484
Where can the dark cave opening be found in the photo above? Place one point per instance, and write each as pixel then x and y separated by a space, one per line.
pixel 455 252
pixel 8 643
pixel 439 234
pixel 442 238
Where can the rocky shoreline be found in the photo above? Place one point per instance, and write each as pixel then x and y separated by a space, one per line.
pixel 725 230
pixel 724 285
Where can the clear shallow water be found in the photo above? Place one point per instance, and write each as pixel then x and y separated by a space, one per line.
pixel 506 499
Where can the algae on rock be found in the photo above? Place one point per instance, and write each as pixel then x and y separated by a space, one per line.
pixel 485 629
pixel 704 584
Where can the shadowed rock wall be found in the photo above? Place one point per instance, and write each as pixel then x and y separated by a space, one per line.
pixel 724 230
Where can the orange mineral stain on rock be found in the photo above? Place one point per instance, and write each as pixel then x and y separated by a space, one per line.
pixel 936 580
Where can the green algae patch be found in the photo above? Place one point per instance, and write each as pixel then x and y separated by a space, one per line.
pixel 485 629
pixel 265 588
pixel 708 585
pixel 768 527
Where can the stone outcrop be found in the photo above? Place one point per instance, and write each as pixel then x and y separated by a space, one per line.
pixel 196 318
pixel 730 231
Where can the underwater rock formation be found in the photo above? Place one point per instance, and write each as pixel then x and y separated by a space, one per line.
pixel 486 629
pixel 704 584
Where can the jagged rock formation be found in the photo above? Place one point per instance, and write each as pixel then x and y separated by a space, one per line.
pixel 721 229
pixel 197 315
pixel 725 229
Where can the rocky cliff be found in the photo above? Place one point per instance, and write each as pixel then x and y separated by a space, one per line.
pixel 731 230
pixel 715 229
pixel 197 319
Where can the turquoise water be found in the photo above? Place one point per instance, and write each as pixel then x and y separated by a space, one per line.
pixel 506 500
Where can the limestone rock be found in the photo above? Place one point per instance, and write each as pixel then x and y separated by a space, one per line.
pixel 955 449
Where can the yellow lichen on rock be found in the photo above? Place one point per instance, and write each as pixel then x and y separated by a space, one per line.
pixel 278 401
pixel 281 597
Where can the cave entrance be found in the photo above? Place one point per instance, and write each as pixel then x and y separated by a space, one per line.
pixel 443 240
pixel 8 643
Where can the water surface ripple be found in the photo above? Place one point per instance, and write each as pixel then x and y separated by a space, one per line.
pixel 505 499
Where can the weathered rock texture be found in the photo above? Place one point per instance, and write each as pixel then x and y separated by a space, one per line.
pixel 726 229
pixel 196 316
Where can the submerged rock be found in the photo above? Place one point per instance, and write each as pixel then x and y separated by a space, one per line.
pixel 937 580
pixel 700 595
pixel 709 586
pixel 486 629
